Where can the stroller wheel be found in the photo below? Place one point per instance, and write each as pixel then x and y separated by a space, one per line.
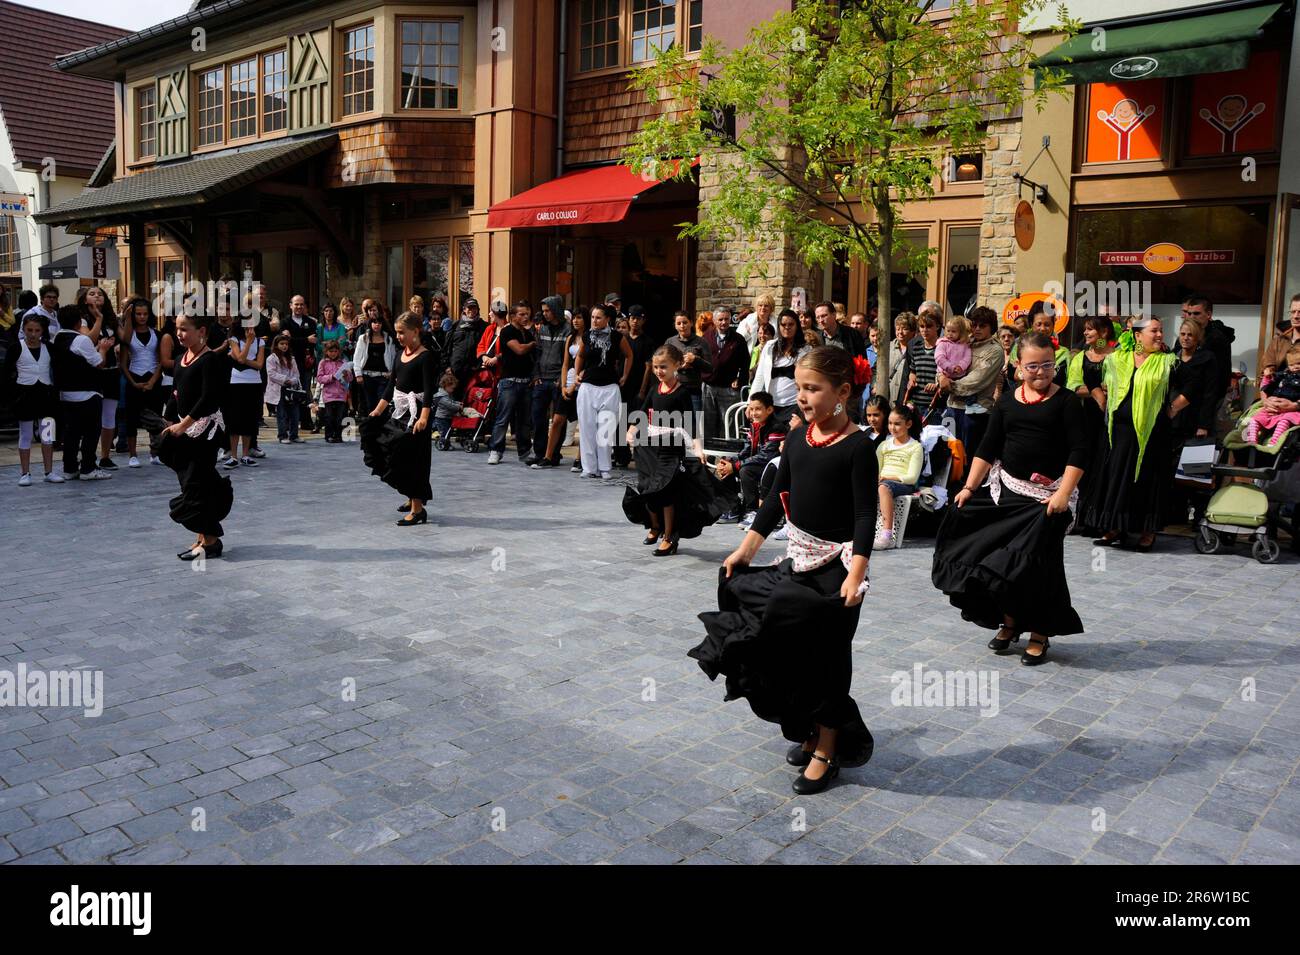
pixel 1266 551
pixel 470 446
pixel 1207 541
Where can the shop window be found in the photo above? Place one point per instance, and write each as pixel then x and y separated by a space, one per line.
pixel 466 200
pixel 465 268
pixel 275 105
pixel 430 64
pixel 966 167
pixel 1236 112
pixel 431 268
pixel 243 99
pixel 1220 251
pixel 359 70
pixel 598 34
pixel 10 258
pixel 654 28
pixel 395 273
pixel 146 122
pixel 962 259
pixel 212 113
pixel 1125 121
pixel 429 206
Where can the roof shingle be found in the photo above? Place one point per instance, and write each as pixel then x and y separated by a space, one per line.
pixel 192 182
pixel 51 114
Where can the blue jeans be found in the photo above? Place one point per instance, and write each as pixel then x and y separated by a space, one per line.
pixel 512 408
pixel 286 418
pixel 544 396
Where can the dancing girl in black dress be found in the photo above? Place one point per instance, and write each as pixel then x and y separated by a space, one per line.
pixel 398 447
pixel 783 634
pixel 189 447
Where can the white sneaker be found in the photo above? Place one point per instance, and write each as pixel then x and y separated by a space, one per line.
pixel 747 521
pixel 494 457
pixel 882 542
pixel 134 462
pixel 257 453
pixel 53 477
pixel 25 480
pixel 99 474
pixel 153 459
pixel 780 533
pixel 607 475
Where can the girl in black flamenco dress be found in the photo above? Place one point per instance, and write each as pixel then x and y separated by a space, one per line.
pixel 675 496
pixel 398 448
pixel 782 635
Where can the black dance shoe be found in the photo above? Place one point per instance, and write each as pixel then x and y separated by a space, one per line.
pixel 404 508
pixel 809 787
pixel 796 755
pixel 1109 541
pixel 411 520
pixel 1002 644
pixel 206 551
pixel 1031 660
pixel 666 551
pixel 651 539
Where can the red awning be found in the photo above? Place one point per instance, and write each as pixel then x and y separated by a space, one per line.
pixel 602 194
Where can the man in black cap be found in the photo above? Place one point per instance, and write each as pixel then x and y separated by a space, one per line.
pixel 463 343
pixel 615 302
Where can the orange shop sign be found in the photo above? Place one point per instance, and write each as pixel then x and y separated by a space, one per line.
pixel 1054 306
pixel 1165 258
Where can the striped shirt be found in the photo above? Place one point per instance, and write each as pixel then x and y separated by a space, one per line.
pixel 921 361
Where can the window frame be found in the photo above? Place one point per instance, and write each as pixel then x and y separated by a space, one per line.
pixel 138 153
pixel 399 90
pixel 625 39
pixel 257 58
pixel 220 108
pixel 14 253
pixel 262 93
pixel 343 32
pixel 256 80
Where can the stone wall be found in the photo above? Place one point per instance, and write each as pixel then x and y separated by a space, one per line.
pixel 997 268
pixel 776 268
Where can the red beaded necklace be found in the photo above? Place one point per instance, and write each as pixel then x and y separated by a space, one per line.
pixel 1026 401
pixel 813 443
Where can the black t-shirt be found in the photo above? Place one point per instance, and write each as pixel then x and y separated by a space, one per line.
pixel 512 365
pixel 642 349
pixel 1042 438
pixel 672 410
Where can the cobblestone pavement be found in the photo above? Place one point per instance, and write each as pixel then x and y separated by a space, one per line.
pixel 522 692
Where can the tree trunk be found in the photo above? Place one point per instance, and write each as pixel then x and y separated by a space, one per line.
pixel 884 282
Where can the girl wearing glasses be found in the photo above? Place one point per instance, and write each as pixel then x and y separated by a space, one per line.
pixel 999 555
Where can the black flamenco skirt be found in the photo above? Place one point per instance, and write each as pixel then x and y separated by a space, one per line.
pixel 784 642
pixel 1098 448
pixel 206 496
pixel 35 402
pixel 668 477
pixel 1120 503
pixel 1006 559
pixel 399 458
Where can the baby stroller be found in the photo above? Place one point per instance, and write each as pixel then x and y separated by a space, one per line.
pixel 1239 508
pixel 472 430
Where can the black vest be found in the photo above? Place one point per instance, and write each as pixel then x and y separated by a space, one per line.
pixel 71 371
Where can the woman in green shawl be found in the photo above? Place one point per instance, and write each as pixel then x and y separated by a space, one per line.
pixel 1134 481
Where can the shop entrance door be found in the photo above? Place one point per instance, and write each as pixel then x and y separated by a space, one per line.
pixel 1286 277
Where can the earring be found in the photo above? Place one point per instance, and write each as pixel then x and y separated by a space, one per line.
pixel 839 406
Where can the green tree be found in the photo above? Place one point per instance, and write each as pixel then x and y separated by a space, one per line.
pixel 832 116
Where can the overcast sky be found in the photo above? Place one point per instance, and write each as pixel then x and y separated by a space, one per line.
pixel 128 14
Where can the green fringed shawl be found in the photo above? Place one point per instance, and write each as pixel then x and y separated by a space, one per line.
pixel 1150 385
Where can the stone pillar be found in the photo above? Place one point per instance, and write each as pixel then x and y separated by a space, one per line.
pixel 776 266
pixel 997 266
